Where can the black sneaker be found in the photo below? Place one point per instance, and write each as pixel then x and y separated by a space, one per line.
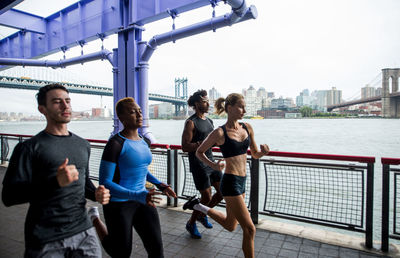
pixel 191 202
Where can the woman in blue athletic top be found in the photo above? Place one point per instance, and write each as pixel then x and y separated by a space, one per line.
pixel 233 138
pixel 124 170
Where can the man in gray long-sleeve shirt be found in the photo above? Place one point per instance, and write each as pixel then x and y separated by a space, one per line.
pixel 50 171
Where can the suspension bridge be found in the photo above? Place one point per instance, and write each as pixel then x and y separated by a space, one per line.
pixel 28 79
pixel 389 95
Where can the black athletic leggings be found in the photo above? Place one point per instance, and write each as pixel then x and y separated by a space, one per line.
pixel 120 217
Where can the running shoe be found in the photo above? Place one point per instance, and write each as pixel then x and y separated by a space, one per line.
pixel 191 202
pixel 205 222
pixel 193 231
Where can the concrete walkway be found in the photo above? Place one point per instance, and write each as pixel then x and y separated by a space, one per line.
pixel 216 242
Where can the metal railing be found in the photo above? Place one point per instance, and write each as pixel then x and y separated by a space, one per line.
pixel 329 190
pixel 390 191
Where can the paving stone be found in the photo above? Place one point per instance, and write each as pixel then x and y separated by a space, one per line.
pixel 293 239
pixel 273 242
pixel 330 252
pixel 327 246
pixel 229 250
pixel 287 253
pixel 307 255
pixel 270 250
pixel 291 246
pixel 311 242
pixel 309 249
pixel 277 236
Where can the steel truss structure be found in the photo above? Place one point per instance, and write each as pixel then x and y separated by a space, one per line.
pixel 89 20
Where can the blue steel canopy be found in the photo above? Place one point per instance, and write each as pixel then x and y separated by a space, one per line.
pixel 92 19
pixel 79 23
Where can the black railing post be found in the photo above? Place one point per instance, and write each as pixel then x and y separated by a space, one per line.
pixel 254 189
pixel 2 150
pixel 385 207
pixel 369 206
pixel 175 154
pixel 170 173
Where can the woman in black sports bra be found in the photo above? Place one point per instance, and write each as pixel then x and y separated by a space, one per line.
pixel 233 138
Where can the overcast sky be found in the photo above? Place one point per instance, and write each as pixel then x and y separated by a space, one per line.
pixel 291 46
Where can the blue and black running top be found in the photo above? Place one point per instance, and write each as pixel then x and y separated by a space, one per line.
pixel 124 169
pixel 232 147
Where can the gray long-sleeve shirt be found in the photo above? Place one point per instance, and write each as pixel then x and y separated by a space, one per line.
pixel 54 212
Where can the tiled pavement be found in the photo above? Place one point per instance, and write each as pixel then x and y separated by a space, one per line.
pixel 216 242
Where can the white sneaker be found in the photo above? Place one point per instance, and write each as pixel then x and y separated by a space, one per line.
pixel 93 213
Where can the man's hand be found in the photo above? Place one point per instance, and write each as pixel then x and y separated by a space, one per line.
pixel 66 174
pixel 152 199
pixel 102 195
pixel 219 166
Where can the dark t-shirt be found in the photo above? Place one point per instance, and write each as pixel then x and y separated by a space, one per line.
pixel 202 129
pixel 54 212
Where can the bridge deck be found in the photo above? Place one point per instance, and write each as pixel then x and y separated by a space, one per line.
pixel 216 242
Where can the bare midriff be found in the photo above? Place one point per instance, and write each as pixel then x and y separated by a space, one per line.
pixel 236 165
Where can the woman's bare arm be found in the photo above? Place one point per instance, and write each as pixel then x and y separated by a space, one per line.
pixel 214 138
pixel 255 152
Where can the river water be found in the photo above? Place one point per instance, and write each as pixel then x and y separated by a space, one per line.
pixel 360 137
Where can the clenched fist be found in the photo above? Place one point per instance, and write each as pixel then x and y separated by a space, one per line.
pixel 264 149
pixel 66 174
pixel 102 195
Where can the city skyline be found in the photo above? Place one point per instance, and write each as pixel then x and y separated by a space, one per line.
pixel 291 46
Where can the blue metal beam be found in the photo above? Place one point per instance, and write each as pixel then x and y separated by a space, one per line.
pixel 24 21
pixel 85 21
pixel 6 5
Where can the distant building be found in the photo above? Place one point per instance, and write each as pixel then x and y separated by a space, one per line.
pixel 262 93
pixel 213 94
pixel 253 101
pixel 162 110
pixel 282 103
pixel 292 115
pixel 378 91
pixel 270 95
pixel 304 99
pixel 101 112
pixel 319 101
pixel 153 111
pixel 333 96
pixel 271 113
pixel 368 92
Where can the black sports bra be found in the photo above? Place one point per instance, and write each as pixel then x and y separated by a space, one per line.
pixel 232 147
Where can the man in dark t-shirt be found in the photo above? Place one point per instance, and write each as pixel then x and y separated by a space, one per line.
pixel 50 171
pixel 197 128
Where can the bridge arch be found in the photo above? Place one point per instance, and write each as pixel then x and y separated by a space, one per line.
pixel 390 85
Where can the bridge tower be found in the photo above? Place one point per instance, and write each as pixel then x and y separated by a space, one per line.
pixel 181 109
pixel 390 105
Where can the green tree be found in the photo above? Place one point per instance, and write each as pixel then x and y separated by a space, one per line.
pixel 306 111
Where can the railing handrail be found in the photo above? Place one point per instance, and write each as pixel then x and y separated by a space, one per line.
pixel 361 159
pixel 15 135
pixel 390 161
pixel 154 145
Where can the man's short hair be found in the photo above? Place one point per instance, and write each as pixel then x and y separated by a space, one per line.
pixel 41 95
pixel 196 97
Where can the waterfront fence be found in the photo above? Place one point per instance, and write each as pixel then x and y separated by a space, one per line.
pixel 390 201
pixel 329 190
